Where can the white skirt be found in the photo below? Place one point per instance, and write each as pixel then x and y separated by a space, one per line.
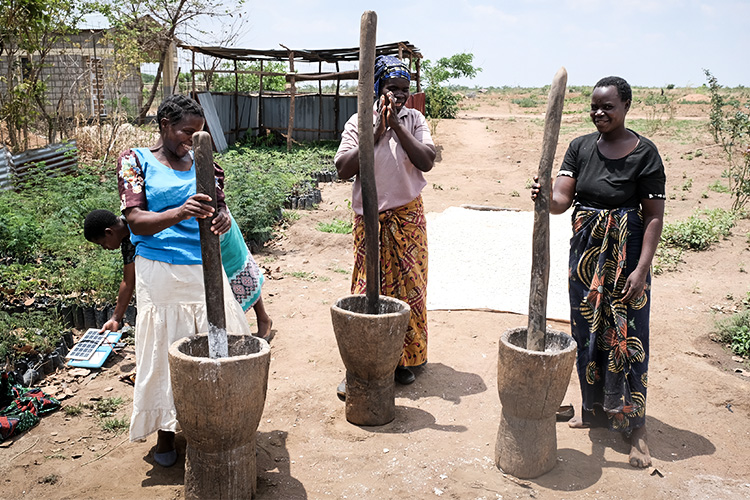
pixel 171 305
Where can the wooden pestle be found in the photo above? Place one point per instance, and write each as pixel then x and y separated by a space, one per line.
pixel 540 244
pixel 205 180
pixel 367 32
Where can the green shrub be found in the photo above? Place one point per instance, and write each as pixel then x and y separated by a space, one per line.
pixel 259 179
pixel 667 259
pixel 731 131
pixel 735 331
pixel 700 230
pixel 41 237
pixel 526 102
pixel 718 187
pixel 30 332
pixel 336 226
pixel 19 233
pixel 441 102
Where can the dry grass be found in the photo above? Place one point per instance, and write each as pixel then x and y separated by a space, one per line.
pixel 95 144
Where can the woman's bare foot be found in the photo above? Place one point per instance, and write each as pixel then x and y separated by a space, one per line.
pixel 639 454
pixel 264 329
pixel 264 320
pixel 577 423
pixel 164 442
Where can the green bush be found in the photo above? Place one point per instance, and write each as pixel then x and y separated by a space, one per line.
pixel 259 179
pixel 700 230
pixel 19 232
pixel 42 248
pixel 441 102
pixel 336 226
pixel 41 238
pixel 731 131
pixel 735 331
pixel 30 332
pixel 526 102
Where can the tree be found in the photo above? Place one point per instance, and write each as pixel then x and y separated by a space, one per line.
pixel 440 101
pixel 731 130
pixel 28 31
pixel 156 24
pixel 249 82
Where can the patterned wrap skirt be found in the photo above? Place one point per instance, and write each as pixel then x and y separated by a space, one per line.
pixel 244 274
pixel 612 336
pixel 171 305
pixel 403 270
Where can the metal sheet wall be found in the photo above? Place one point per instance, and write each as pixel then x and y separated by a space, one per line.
pixel 276 115
pixel 53 160
pixel 5 170
pixel 247 109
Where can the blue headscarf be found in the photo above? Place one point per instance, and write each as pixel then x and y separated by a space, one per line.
pixel 389 67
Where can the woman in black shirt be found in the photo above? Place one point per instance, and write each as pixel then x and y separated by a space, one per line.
pixel 614 178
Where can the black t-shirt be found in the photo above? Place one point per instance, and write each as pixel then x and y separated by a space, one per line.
pixel 622 183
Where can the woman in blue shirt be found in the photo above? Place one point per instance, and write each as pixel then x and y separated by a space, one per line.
pixel 159 200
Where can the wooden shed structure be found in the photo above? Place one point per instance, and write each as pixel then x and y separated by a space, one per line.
pixel 321 117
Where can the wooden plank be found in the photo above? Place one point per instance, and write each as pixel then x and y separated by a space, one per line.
pixel 213 124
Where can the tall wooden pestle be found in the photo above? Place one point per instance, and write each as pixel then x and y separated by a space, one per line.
pixel 540 245
pixel 365 90
pixel 205 179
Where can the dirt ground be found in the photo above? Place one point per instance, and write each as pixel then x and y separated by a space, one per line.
pixel 441 443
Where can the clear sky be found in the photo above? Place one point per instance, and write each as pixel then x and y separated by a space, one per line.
pixel 524 42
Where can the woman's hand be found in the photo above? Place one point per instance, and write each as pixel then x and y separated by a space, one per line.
pixel 221 223
pixel 561 193
pixel 391 112
pixel 194 207
pixel 634 285
pixel 381 122
pixel 535 188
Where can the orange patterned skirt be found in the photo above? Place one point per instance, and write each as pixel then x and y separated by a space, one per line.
pixel 403 270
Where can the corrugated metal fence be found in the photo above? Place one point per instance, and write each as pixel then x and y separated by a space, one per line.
pixel 309 123
pixel 54 160
pixel 314 115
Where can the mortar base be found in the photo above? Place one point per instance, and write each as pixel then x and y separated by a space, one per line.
pixel 223 475
pixel 526 448
pixel 370 402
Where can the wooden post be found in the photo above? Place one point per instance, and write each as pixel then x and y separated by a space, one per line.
pixel 540 245
pixel 292 92
pixel 368 30
pixel 176 85
pixel 419 80
pixel 205 180
pixel 320 101
pixel 192 78
pixel 260 98
pixel 336 104
pixel 236 103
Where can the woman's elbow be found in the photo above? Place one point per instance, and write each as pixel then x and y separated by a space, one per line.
pixel 429 160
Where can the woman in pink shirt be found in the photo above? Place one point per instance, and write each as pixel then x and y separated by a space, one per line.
pixel 403 152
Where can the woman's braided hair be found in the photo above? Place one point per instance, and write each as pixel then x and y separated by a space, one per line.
pixel 175 107
pixel 623 88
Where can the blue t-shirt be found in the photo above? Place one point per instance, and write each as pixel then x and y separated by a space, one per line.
pixel 167 188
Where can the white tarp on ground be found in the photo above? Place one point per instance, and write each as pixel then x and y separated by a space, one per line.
pixel 482 260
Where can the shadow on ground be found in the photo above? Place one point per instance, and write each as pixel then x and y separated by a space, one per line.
pixel 441 381
pixel 273 466
pixel 577 471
